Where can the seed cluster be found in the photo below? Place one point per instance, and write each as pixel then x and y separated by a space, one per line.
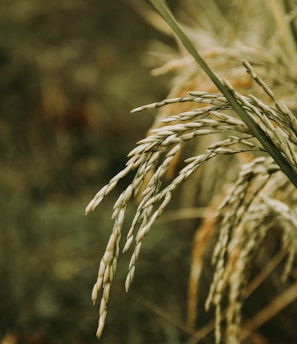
pixel 245 216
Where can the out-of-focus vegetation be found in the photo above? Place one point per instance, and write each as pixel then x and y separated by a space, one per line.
pixel 70 73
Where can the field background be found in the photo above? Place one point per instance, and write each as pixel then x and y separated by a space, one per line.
pixel 71 71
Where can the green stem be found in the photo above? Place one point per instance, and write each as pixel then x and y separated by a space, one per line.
pixel 265 140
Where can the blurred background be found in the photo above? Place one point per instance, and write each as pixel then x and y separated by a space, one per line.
pixel 71 71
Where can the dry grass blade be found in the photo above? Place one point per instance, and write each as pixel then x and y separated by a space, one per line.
pixel 279 303
pixel 201 333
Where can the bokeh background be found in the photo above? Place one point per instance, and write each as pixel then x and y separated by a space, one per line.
pixel 71 71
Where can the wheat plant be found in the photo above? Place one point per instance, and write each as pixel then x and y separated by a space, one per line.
pixel 259 130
